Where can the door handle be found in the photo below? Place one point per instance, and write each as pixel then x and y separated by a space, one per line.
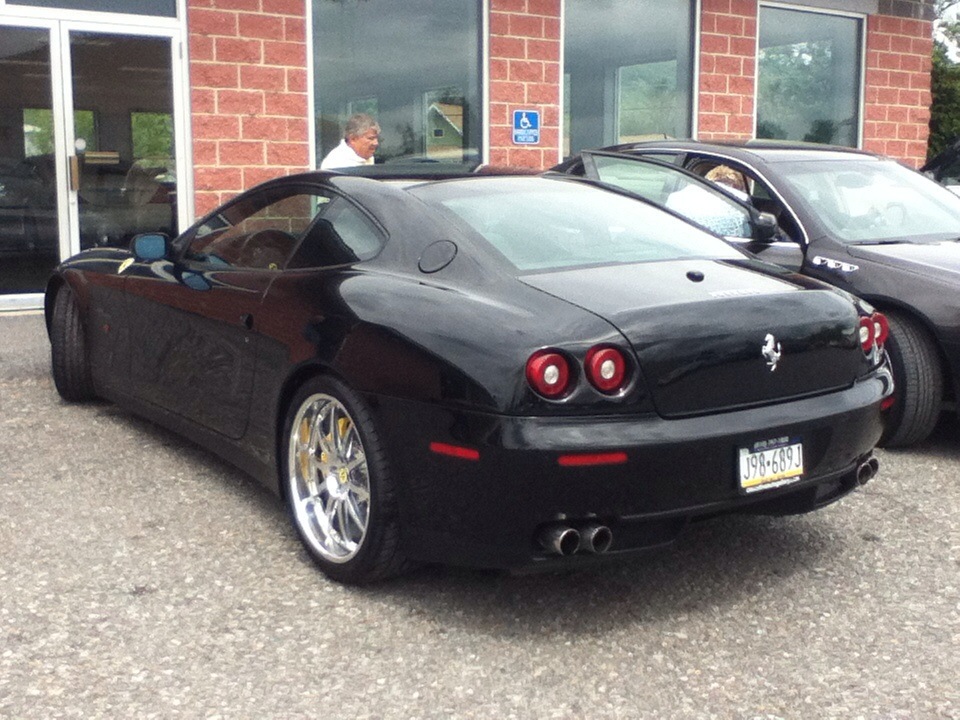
pixel 247 321
pixel 74 173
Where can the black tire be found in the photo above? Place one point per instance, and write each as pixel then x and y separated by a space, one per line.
pixel 333 461
pixel 918 381
pixel 68 349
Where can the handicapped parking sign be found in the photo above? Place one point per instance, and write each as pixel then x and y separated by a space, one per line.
pixel 526 127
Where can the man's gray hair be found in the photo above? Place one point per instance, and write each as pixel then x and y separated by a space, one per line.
pixel 359 124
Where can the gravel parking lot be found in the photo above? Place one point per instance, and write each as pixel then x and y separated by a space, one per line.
pixel 142 577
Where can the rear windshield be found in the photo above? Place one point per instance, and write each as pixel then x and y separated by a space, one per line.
pixel 546 223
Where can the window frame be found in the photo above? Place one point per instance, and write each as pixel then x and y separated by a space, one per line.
pixel 860 17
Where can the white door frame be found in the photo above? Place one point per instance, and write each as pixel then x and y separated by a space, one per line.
pixel 59 24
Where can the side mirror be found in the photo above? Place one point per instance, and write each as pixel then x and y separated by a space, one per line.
pixel 765 225
pixel 150 246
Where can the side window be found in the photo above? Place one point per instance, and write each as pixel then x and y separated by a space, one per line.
pixel 758 194
pixel 260 231
pixel 341 234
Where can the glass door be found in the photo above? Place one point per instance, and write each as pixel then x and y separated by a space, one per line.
pixel 88 148
pixel 29 232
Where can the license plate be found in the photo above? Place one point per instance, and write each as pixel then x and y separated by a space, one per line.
pixel 770 463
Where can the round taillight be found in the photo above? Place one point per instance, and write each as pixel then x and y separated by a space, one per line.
pixel 606 369
pixel 867 333
pixel 548 373
pixel 881 328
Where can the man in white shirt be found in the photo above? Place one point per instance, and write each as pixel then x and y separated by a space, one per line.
pixel 361 137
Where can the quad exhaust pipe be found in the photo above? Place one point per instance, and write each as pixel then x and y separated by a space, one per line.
pixel 867 470
pixel 565 540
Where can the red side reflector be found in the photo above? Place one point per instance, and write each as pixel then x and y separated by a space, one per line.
pixel 611 458
pixel 887 403
pixel 456 451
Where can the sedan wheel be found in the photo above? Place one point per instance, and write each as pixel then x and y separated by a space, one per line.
pixel 337 484
pixel 918 383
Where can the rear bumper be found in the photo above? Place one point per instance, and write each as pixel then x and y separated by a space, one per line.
pixel 491 510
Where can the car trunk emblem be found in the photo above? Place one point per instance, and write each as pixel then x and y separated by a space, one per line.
pixel 771 351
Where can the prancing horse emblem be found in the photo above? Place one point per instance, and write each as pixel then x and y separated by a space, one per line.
pixel 771 351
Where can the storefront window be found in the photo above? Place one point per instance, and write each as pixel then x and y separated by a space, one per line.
pixel 808 84
pixel 161 8
pixel 628 71
pixel 414 66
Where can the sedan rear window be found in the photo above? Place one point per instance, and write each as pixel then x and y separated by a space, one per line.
pixel 545 224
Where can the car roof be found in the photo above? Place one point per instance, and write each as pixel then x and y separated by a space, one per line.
pixel 770 151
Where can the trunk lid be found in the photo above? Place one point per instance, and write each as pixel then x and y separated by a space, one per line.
pixel 711 336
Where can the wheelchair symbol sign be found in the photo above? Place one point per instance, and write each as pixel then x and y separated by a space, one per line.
pixel 526 127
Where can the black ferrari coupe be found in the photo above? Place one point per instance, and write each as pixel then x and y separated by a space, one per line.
pixel 506 372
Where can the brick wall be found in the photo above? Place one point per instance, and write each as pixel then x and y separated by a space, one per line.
pixel 248 77
pixel 897 102
pixel 728 48
pixel 525 74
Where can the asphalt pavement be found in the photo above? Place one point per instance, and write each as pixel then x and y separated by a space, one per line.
pixel 141 577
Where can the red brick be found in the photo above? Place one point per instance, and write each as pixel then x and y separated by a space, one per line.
pixel 284 53
pixel 204 152
pixel 201 48
pixel 258 127
pixel 545 50
pixel 714 44
pixel 744 8
pixel 239 51
pixel 741 126
pixel 507 92
pixel 204 202
pixel 287 153
pixel 240 152
pixel 731 65
pixel 730 25
pixel 551 72
pixel 713 83
pixel 744 47
pixel 543 93
pixel 290 104
pixel 711 122
pixel 742 85
pixel 551 28
pixel 297 8
pixel 706 101
pixel 253 176
pixel 214 75
pixel 215 127
pixel 498 157
pixel 212 22
pixel 238 5
pixel 499 69
pixel 296 80
pixel 298 129
pixel 295 30
pixel 497 114
pixel 217 178
pixel 263 27
pixel 258 77
pixel 544 7
pixel 524 71
pixel 527 26
pixel 203 100
pixel 729 104
pixel 504 47
pixel 509 5
pixel 239 102
pixel 499 23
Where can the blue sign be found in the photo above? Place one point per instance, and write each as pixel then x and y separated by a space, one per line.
pixel 526 127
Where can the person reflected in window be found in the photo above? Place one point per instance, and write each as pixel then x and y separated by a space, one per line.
pixel 361 137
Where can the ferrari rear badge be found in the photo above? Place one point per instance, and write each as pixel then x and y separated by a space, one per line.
pixel 771 351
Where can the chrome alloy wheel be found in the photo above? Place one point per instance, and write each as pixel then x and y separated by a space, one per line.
pixel 329 480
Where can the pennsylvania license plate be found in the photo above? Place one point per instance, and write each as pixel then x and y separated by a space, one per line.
pixel 770 463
